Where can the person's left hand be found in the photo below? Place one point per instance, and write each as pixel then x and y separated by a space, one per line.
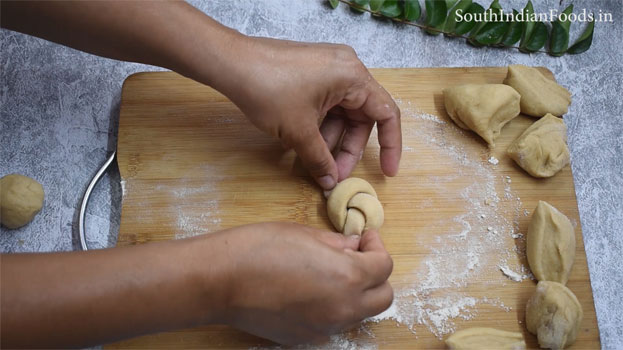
pixel 287 87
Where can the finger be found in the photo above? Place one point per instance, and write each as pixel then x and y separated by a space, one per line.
pixel 377 300
pixel 338 240
pixel 380 106
pixel 390 140
pixel 331 129
pixel 354 141
pixel 375 262
pixel 371 242
pixel 316 157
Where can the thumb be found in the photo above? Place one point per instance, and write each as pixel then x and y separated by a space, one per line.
pixel 338 240
pixel 316 157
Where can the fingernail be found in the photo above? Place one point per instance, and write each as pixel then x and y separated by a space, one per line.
pixel 354 237
pixel 326 182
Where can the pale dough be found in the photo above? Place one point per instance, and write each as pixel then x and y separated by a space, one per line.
pixel 353 206
pixel 539 94
pixel 483 108
pixel 542 150
pixel 550 244
pixel 21 198
pixel 554 315
pixel 478 338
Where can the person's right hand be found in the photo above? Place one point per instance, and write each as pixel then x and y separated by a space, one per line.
pixel 293 284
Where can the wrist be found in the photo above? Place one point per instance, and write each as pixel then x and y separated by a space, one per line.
pixel 210 276
pixel 213 55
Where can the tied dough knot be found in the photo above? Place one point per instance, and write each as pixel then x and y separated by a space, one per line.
pixel 353 206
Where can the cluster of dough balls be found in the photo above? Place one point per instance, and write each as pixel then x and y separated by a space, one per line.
pixel 21 198
pixel 485 108
pixel 553 313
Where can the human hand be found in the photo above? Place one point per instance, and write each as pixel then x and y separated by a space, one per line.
pixel 286 87
pixel 293 284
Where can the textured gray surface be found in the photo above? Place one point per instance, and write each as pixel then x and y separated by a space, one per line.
pixel 60 107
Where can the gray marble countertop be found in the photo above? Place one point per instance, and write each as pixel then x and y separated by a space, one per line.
pixel 60 109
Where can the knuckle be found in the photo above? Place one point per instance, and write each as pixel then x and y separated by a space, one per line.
pixel 303 135
pixel 344 314
pixel 318 166
pixel 346 51
pixel 355 278
pixel 347 57
pixel 389 264
pixel 350 276
pixel 396 114
pixel 389 298
pixel 360 72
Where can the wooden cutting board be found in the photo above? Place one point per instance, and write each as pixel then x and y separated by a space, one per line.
pixel 191 164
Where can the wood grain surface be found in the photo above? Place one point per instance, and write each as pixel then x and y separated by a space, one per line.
pixel 191 164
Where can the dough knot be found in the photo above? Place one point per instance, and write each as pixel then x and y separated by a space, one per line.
pixel 353 206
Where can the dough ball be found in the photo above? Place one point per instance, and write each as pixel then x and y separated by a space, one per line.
pixel 485 338
pixel 353 207
pixel 483 108
pixel 550 244
pixel 542 149
pixel 554 315
pixel 539 94
pixel 21 198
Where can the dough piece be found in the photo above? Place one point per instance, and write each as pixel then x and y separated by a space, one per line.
pixel 542 148
pixel 353 206
pixel 550 244
pixel 554 315
pixel 485 338
pixel 21 198
pixel 483 108
pixel 539 94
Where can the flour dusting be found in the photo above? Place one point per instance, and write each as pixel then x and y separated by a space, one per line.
pixel 437 292
pixel 523 274
pixel 189 222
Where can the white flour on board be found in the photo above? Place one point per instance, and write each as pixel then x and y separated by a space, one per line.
pixel 516 276
pixel 205 195
pixel 192 204
pixel 435 297
pixel 194 225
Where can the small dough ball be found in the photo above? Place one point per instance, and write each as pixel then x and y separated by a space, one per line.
pixel 21 198
pixel 539 94
pixel 485 338
pixel 483 108
pixel 542 149
pixel 550 244
pixel 353 207
pixel 554 315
